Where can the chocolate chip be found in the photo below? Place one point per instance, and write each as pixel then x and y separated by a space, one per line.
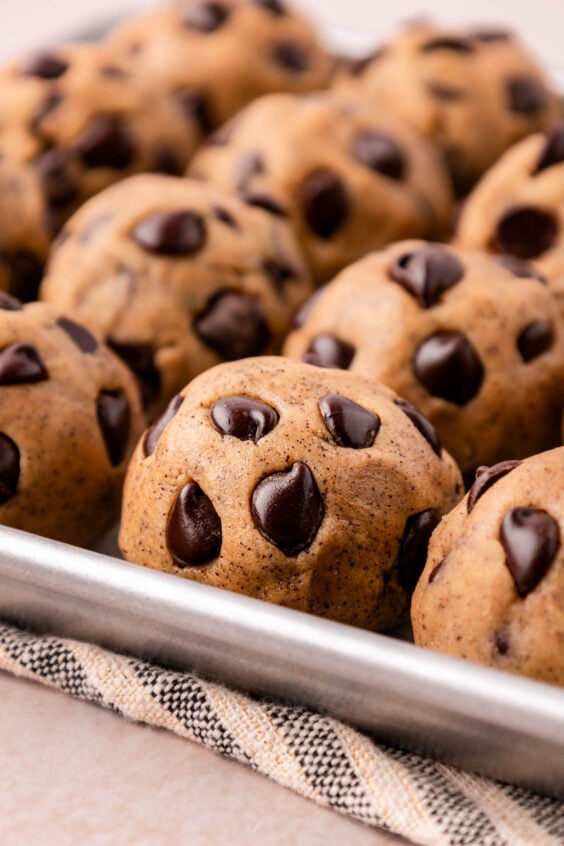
pixel 234 326
pixel 140 358
pixel 8 303
pixel 55 168
pixel 278 273
pixel 20 364
pixel 380 153
pixel 448 366
pixel 274 6
pixel 520 268
pixel 413 547
pixel 436 570
pixel 84 340
pixel 427 273
pixel 248 165
pixel 502 641
pixel 166 161
pixel 326 350
pixel 206 17
pixel 301 316
pixel 553 151
pixel 446 42
pixel 176 233
pixel 526 231
pixel 423 426
pixel 349 424
pixel 114 417
pixel 45 66
pixel 153 434
pixel 485 478
pixel 193 531
pixel 325 202
pixel 448 93
pixel 535 339
pixel 26 273
pixel 225 217
pixel 196 106
pixel 291 56
pixel 287 509
pixel 106 142
pixel 9 468
pixel 530 538
pixel 525 96
pixel 243 417
pixel 489 36
pixel 264 201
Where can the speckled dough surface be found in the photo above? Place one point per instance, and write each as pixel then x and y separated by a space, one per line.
pixel 177 276
pixel 69 419
pixel 474 92
pixel 306 487
pixel 493 586
pixel 477 345
pixel 350 180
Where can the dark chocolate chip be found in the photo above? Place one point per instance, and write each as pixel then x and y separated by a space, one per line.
pixel 206 17
pixel 278 273
pixel 106 142
pixel 436 570
pixel 502 641
pixel 448 42
pixel 358 66
pixel 448 366
pixel 530 538
pixel 380 153
pixel 326 350
pixel 423 426
pixel 325 202
pixel 526 231
pixel 287 509
pixel 114 418
pixel 166 161
pixel 234 326
pixel 264 201
pixel 175 233
pixel 519 268
pixel 84 340
pixel 301 316
pixel 274 6
pixel 55 168
pixel 225 216
pixel 196 106
pixel 427 273
pixel 485 478
pixel 413 547
pixel 243 417
pixel 489 36
pixel 553 151
pixel 525 96
pixel 291 56
pixel 44 66
pixel 248 165
pixel 20 364
pixel 349 424
pixel 155 431
pixel 535 339
pixel 8 303
pixel 140 358
pixel 193 531
pixel 26 273
pixel 9 468
pixel 448 93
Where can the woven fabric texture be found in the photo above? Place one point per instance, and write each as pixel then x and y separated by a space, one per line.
pixel 318 757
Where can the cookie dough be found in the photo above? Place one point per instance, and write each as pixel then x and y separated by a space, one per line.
pixel 349 180
pixel 493 583
pixel 177 276
pixel 475 342
pixel 309 488
pixel 473 92
pixel 69 419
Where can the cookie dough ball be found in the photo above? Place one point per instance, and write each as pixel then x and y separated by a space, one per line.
pixel 72 122
pixel 309 488
pixel 218 56
pixel 177 276
pixel 475 343
pixel 348 179
pixel 473 92
pixel 493 585
pixel 69 419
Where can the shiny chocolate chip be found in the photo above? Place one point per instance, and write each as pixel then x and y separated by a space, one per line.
pixel 175 233
pixel 552 152
pixel 349 424
pixel 9 303
pixel 44 66
pixel 519 268
pixel 79 335
pixel 448 42
pixel 526 231
pixel 427 273
pixel 525 96
pixel 140 358
pixel 448 93
pixel 248 165
pixel 9 468
pixel 21 364
pixel 291 56
pixel 287 509
pixel 106 142
pixel 276 7
pixel 530 538
pixel 59 181
pixel 326 350
pixel 436 570
pixel 26 273
pixel 380 153
pixel 413 547
pixel 193 531
pixel 264 201
pixel 423 426
pixel 234 326
pixel 153 434
pixel 196 106
pixel 535 339
pixel 448 366
pixel 485 478
pixel 114 418
pixel 243 417
pixel 325 203
pixel 278 273
pixel 206 17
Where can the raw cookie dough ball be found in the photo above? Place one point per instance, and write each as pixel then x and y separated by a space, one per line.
pixel 474 92
pixel 493 586
pixel 177 276
pixel 348 179
pixel 69 419
pixel 474 344
pixel 305 487
pixel 218 56
pixel 72 122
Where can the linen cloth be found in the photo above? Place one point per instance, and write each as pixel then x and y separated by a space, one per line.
pixel 318 757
